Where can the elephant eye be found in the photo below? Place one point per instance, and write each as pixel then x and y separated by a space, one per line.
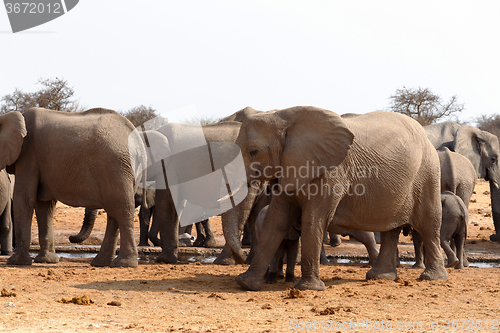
pixel 494 159
pixel 253 152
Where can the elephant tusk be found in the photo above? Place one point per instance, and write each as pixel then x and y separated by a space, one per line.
pixel 233 193
pixel 496 184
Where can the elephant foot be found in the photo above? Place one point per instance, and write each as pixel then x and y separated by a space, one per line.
pixel 434 274
pixel 466 262
pixel 418 265
pixel 310 284
pixel 210 242
pixel 199 242
pixel 130 261
pixel 224 261
pixel 249 282
pixel 143 243
pixel 6 252
pixel 290 278
pixel 48 257
pixel 460 266
pixel 166 258
pixel 101 260
pixel 272 278
pixel 280 275
pixel 452 263
pixel 20 259
pixel 495 238
pixel 323 260
pixel 379 274
pixel 155 241
pixel 335 240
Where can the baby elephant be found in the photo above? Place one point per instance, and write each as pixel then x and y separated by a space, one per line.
pixel 289 246
pixel 454 227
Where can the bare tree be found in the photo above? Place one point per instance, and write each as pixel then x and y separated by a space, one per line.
pixel 423 105
pixel 203 120
pixel 141 114
pixel 55 94
pixel 489 124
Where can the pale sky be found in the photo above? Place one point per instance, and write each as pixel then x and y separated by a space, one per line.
pixel 212 58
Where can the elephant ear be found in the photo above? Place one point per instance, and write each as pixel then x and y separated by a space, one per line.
pixel 12 133
pixel 316 140
pixel 468 142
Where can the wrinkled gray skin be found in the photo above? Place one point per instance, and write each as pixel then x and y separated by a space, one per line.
pixel 405 189
pixel 481 148
pixel 454 227
pixel 80 159
pixel 457 176
pixel 6 227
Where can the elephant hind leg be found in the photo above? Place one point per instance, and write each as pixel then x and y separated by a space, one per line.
pixel 107 252
pixel 385 266
pixel 434 265
pixel 45 217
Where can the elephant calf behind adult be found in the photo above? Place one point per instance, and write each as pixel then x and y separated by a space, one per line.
pixel 81 159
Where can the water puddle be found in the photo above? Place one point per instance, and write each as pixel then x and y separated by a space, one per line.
pixel 209 259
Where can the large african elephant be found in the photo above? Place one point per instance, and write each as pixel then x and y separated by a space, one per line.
pixel 481 148
pixel 6 227
pixel 81 159
pixel 375 172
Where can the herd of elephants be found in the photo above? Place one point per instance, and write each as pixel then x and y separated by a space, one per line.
pixel 376 172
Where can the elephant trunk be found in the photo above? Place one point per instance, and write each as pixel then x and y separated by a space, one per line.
pixel 233 222
pixel 495 209
pixel 231 229
pixel 88 225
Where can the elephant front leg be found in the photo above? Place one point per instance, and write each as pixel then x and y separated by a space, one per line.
pixel 45 217
pixel 23 214
pixel 385 266
pixel 419 249
pixel 168 224
pixel 313 229
pixel 276 224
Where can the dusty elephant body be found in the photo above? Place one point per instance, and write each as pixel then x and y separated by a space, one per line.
pixel 403 189
pixel 81 159
pixel 6 226
pixel 457 176
pixel 482 150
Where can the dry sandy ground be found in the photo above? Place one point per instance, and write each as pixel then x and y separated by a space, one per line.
pixel 205 298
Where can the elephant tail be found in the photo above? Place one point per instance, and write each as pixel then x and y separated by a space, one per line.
pixel 87 226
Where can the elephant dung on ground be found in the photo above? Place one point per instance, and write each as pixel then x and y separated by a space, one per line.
pixel 81 159
pixel 375 172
